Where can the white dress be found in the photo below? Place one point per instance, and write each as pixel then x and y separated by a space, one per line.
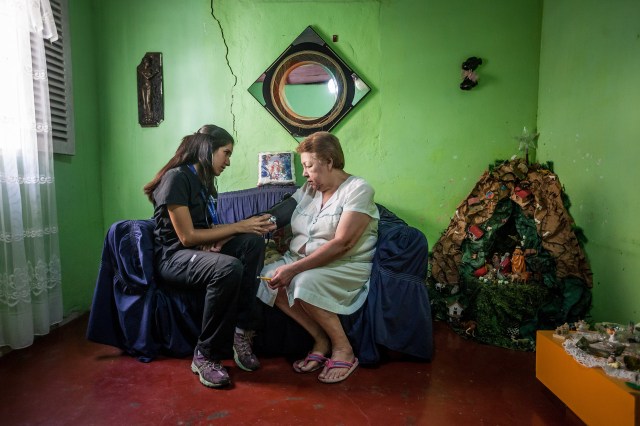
pixel 342 285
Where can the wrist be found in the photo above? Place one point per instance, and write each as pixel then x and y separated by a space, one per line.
pixel 236 228
pixel 295 268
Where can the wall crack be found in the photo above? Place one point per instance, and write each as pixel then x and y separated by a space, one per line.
pixel 226 57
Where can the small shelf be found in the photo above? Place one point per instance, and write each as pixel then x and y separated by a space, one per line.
pixel 595 397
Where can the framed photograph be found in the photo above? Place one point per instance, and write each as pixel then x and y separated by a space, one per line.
pixel 276 168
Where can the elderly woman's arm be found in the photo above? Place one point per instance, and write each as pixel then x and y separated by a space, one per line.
pixel 350 228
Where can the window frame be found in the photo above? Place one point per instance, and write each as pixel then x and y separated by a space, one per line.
pixel 60 82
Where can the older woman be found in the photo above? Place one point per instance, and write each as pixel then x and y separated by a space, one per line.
pixel 326 270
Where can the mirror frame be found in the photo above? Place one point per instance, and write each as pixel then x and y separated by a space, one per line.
pixel 309 48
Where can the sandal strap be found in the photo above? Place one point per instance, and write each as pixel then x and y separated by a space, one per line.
pixel 315 357
pixel 338 364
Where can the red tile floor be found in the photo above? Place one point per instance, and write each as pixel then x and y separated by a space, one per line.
pixel 63 379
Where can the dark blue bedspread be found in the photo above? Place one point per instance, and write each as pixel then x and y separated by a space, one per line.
pixel 397 312
pixel 133 312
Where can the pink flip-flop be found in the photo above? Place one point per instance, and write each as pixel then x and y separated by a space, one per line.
pixel 339 364
pixel 319 358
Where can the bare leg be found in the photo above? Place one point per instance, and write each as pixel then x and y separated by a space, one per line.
pixel 341 348
pixel 322 344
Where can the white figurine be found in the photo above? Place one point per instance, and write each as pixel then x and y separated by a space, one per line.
pixel 582 325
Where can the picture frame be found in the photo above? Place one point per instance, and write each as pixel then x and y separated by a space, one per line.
pixel 276 168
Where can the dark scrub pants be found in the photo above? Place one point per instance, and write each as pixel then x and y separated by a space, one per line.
pixel 230 278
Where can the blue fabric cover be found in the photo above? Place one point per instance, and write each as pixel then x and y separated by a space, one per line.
pixel 237 205
pixel 144 318
pixel 123 301
pixel 129 311
pixel 397 312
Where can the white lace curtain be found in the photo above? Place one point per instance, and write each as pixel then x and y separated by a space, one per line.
pixel 30 290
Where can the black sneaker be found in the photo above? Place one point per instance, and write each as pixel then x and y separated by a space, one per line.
pixel 242 353
pixel 212 374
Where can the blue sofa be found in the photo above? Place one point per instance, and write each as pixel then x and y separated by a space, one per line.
pixel 133 312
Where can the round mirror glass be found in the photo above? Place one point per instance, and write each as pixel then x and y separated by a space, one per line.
pixel 300 104
pixel 310 90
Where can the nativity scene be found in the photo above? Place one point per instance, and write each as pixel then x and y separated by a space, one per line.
pixel 512 257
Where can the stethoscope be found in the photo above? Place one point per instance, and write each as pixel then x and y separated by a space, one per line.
pixel 209 201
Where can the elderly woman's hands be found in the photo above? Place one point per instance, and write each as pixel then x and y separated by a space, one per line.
pixel 283 276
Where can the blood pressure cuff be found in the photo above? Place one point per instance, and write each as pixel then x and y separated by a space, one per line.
pixel 283 211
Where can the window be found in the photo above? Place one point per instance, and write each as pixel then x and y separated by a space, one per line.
pixel 59 73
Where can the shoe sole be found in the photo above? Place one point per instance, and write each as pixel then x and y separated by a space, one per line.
pixel 207 383
pixel 241 365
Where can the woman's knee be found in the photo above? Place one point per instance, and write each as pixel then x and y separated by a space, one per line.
pixel 235 269
pixel 226 273
pixel 257 244
pixel 249 247
pixel 254 243
pixel 282 300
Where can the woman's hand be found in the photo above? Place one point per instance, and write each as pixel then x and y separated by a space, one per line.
pixel 255 225
pixel 283 276
pixel 218 235
pixel 215 247
pixel 259 225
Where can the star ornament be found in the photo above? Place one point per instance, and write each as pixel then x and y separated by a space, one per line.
pixel 527 141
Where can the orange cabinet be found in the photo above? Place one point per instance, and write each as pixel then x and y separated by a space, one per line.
pixel 595 397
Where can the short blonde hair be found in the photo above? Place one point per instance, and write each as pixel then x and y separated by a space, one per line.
pixel 325 146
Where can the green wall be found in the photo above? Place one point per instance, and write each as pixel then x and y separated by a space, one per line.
pixel 420 140
pixel 78 180
pixel 566 68
pixel 589 127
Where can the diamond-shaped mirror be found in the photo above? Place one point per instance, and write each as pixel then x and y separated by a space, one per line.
pixel 309 88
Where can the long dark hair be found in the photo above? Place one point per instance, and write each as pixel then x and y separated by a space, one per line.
pixel 196 148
